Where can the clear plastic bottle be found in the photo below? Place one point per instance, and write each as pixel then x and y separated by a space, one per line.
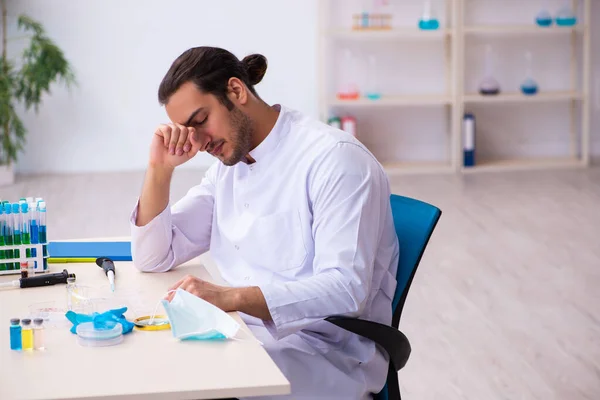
pixel 16 341
pixel 27 334
pixel 38 334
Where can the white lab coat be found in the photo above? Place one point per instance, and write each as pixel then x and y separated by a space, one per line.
pixel 310 224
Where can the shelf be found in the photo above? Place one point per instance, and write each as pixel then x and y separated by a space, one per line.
pixel 388 34
pixel 417 167
pixel 524 164
pixel 518 97
pixel 521 29
pixel 386 101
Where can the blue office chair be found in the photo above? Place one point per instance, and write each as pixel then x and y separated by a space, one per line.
pixel 414 221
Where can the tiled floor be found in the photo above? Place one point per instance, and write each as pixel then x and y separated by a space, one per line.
pixel 505 305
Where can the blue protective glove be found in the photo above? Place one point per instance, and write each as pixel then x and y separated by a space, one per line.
pixel 106 320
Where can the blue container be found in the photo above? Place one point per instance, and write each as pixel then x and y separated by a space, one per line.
pixel 16 342
pixel 529 87
pixel 373 96
pixel 429 24
pixel 571 21
pixel 543 18
pixel 543 21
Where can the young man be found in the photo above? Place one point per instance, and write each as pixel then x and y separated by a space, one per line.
pixel 296 215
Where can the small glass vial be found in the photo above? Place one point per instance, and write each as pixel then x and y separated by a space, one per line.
pixel 71 289
pixel 27 334
pixel 16 342
pixel 38 334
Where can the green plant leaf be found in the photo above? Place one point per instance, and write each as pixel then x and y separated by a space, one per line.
pixel 42 65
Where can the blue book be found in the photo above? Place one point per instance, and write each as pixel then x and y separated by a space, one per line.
pixel 116 251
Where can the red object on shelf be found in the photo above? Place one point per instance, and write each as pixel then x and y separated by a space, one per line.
pixel 348 96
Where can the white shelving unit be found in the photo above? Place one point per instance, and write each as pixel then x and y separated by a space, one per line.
pixel 455 98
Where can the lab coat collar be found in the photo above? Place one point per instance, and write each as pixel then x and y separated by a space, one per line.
pixel 270 143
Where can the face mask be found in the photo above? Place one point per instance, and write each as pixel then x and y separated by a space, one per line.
pixel 193 318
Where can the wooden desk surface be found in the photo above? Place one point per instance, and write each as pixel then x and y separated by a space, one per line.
pixel 146 365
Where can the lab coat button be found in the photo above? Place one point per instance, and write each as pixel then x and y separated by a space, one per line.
pixel 246 205
pixel 247 278
pixel 237 247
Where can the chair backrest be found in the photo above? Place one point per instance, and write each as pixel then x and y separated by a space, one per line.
pixel 414 221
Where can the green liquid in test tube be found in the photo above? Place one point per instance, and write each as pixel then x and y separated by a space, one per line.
pixel 34 230
pixel 8 234
pixel 16 232
pixel 25 227
pixel 42 232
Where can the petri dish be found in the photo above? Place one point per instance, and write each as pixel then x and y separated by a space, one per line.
pixel 146 323
pixel 90 336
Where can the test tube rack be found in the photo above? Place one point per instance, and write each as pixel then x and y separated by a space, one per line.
pixel 370 22
pixel 38 260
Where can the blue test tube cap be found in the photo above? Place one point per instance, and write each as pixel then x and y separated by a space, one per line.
pixel 8 208
pixel 15 208
pixel 24 208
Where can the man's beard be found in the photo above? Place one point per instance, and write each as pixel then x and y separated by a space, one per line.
pixel 241 141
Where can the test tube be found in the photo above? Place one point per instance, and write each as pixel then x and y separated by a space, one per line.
pixel 34 230
pixel 25 226
pixel 2 223
pixel 25 222
pixel 8 234
pixel 16 223
pixel 42 227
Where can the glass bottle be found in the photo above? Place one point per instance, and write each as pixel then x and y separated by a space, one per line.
pixel 16 341
pixel 489 85
pixel 38 334
pixel 372 91
pixel 71 290
pixel 27 334
pixel 428 19
pixel 529 87
pixel 565 15
pixel 348 88
pixel 543 17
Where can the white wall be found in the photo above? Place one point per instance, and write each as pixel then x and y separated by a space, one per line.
pixel 121 49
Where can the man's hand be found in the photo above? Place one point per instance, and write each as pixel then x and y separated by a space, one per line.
pixel 248 300
pixel 172 145
pixel 219 296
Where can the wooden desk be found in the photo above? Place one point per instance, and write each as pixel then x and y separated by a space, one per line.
pixel 146 365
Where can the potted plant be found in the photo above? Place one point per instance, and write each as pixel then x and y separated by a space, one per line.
pixel 23 80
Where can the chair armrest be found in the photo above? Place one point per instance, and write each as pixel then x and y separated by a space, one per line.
pixel 394 342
